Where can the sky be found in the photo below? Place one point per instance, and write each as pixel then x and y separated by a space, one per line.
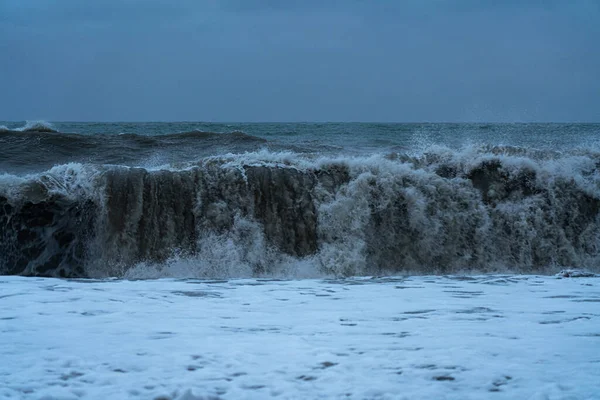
pixel 300 60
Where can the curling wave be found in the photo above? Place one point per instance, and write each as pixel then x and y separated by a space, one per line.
pixel 270 213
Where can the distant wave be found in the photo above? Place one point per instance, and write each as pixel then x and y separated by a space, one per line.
pixel 46 127
pixel 200 135
pixel 35 150
pixel 479 209
pixel 235 135
pixel 33 126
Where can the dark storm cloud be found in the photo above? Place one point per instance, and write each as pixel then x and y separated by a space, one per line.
pixel 300 60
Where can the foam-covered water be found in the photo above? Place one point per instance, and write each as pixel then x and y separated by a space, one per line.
pixel 241 200
pixel 499 337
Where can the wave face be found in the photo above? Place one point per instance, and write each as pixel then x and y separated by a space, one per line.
pixel 481 208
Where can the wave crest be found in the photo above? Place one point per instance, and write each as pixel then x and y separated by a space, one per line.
pixel 37 126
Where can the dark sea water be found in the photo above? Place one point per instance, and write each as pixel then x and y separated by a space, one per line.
pixel 25 148
pixel 297 199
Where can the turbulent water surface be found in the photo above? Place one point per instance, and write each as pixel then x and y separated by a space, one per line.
pixel 242 200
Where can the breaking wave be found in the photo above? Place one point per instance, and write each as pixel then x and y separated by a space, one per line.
pixel 31 126
pixel 484 209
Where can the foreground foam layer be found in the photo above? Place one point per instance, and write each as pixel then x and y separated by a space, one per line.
pixel 483 209
pixel 501 337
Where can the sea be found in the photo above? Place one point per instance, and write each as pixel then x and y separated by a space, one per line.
pixel 193 199
pixel 356 261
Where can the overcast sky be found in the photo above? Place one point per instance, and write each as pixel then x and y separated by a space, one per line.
pixel 300 60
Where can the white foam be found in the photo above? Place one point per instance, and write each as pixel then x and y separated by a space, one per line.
pixel 72 180
pixel 242 252
pixel 492 337
pixel 39 125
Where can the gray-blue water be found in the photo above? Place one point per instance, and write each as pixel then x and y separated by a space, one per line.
pixel 22 149
pixel 297 199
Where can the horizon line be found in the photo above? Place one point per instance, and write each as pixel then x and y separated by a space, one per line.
pixel 295 122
